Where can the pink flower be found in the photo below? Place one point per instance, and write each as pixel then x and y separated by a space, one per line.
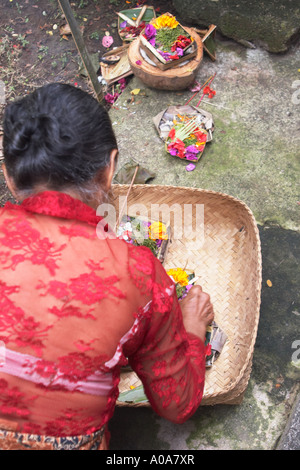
pixel 190 167
pixel 138 62
pixel 196 87
pixel 173 152
pixel 122 83
pixel 190 156
pixel 109 98
pixel 107 41
pixel 191 152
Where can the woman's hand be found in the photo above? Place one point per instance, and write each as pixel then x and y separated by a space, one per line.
pixel 197 312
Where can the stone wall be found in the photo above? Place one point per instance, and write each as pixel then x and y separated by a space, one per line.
pixel 271 24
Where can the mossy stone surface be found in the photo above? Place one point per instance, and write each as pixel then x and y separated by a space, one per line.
pixel 272 24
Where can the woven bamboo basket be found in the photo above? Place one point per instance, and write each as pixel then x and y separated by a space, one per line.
pixel 226 258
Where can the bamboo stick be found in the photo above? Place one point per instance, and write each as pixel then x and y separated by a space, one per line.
pixel 78 39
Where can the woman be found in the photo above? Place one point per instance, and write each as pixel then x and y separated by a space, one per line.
pixel 75 307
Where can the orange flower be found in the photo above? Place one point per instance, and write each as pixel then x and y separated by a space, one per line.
pixel 158 231
pixel 179 276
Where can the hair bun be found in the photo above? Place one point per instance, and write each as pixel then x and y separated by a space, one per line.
pixel 26 131
pixel 58 136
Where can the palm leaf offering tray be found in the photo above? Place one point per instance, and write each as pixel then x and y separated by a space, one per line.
pixel 167 43
pixel 214 342
pixel 215 338
pixel 185 131
pixel 135 394
pixel 115 65
pixel 141 231
pixel 186 139
pixel 133 21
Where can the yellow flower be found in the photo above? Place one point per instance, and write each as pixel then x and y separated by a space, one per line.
pixel 179 276
pixel 158 231
pixel 165 21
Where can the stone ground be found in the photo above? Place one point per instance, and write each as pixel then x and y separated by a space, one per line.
pixel 254 156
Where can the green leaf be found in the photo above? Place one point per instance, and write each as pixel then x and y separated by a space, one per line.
pixel 136 395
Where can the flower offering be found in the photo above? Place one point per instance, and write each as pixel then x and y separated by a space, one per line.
pixel 142 232
pixel 183 279
pixel 167 39
pixel 130 32
pixel 133 21
pixel 186 139
pixel 215 338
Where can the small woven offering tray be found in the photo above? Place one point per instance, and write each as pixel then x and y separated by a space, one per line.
pixel 185 130
pixel 114 65
pixel 167 43
pixel 226 261
pixel 215 338
pixel 141 231
pixel 132 22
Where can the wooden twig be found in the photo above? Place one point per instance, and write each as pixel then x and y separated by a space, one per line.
pixel 199 90
pixel 78 39
pixel 126 198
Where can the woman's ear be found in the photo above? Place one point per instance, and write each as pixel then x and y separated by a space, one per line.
pixel 10 182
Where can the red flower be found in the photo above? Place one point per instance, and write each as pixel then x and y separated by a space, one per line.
pixel 208 350
pixel 209 91
pixel 200 136
pixel 177 148
pixel 182 42
pixel 172 133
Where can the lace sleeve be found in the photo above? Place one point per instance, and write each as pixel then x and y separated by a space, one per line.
pixel 170 362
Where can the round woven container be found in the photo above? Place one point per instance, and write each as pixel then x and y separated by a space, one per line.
pixel 225 255
pixel 176 78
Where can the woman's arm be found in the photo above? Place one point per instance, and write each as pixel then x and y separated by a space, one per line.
pixel 171 359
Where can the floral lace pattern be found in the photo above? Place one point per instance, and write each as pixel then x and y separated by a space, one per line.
pixel 82 307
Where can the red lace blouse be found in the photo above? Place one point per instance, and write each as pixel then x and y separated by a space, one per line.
pixel 74 309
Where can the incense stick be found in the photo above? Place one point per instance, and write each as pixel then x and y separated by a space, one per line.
pixel 207 85
pixel 126 198
pixel 199 90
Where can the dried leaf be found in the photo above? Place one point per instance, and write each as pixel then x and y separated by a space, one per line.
pixel 135 91
pixel 65 29
pixel 125 174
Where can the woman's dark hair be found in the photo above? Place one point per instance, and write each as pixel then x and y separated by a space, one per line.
pixel 58 136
